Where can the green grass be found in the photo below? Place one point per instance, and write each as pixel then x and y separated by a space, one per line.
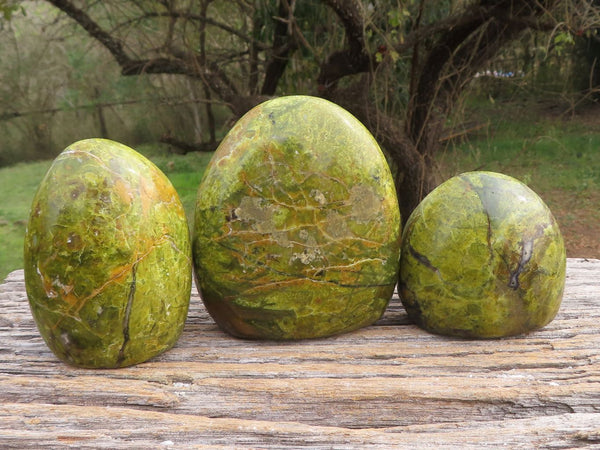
pixel 18 184
pixel 556 156
pixel 548 153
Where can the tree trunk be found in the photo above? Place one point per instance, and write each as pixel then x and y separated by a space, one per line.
pixel 412 170
pixel 445 54
pixel 101 118
pixel 284 45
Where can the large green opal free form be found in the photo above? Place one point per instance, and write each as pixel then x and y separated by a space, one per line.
pixel 482 257
pixel 107 257
pixel 297 227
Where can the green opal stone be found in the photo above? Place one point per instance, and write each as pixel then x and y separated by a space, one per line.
pixel 297 226
pixel 107 257
pixel 482 257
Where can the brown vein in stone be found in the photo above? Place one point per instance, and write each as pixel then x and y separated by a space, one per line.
pixel 526 253
pixel 295 277
pixel 281 283
pixel 265 237
pixel 130 297
pixel 489 235
pixel 116 275
pixel 422 259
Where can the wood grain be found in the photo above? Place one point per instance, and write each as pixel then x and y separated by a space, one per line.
pixel 390 384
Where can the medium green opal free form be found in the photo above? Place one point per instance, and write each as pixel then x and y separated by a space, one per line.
pixel 107 257
pixel 297 227
pixel 482 257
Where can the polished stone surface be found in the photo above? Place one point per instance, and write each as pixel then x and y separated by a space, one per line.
pixel 107 257
pixel 297 227
pixel 483 257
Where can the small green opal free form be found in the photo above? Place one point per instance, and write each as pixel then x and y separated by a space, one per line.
pixel 297 227
pixel 482 257
pixel 107 257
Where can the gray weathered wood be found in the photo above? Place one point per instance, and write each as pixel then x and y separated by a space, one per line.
pixel 390 384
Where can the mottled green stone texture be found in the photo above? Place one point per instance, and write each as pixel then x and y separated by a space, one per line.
pixel 107 257
pixel 297 227
pixel 482 257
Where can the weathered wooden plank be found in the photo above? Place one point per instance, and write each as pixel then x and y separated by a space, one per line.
pixel 390 383
pixel 120 427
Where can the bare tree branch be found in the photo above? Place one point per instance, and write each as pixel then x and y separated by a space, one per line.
pixel 284 44
pixel 114 46
pixel 182 147
pixel 350 13
pixel 195 18
pixel 169 100
pixel 445 54
pixel 184 63
pixel 354 59
pixel 460 51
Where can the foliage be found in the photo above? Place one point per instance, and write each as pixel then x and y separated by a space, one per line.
pixel 523 139
pixel 8 8
pixel 17 185
pixel 51 82
pixel 400 66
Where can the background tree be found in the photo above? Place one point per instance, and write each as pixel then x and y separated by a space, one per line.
pixel 587 53
pixel 398 65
